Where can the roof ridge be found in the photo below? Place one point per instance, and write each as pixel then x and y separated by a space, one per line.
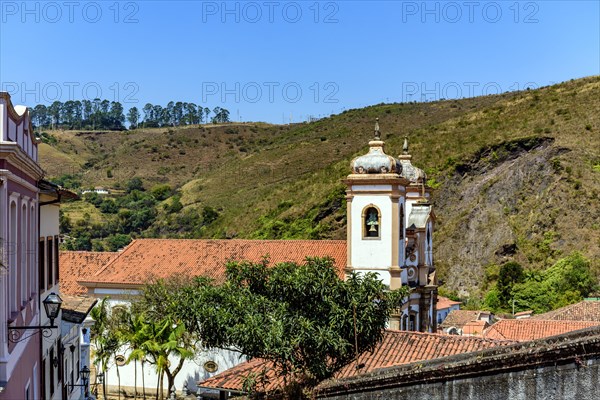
pixel 445 336
pixel 241 240
pixel 120 253
pixel 87 252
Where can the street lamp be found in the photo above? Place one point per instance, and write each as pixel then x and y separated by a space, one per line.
pixel 85 375
pixel 52 305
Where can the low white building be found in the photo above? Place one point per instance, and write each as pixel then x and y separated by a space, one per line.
pixel 444 307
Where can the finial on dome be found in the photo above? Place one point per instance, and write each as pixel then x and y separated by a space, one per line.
pixel 405 146
pixel 377 132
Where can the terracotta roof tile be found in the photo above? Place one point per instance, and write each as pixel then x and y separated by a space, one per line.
pixel 524 313
pixel 444 302
pixel 146 258
pixel 396 348
pixel 587 310
pixel 459 318
pixel 475 327
pixel 531 329
pixel 76 308
pixel 77 265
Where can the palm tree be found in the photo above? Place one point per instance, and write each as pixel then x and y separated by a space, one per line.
pixel 104 338
pixel 166 339
pixel 135 337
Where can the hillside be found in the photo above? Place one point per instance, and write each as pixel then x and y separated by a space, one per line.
pixel 517 175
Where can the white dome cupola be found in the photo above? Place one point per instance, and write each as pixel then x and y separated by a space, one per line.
pixel 376 161
pixel 389 229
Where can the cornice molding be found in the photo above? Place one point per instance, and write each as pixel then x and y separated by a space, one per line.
pixel 16 156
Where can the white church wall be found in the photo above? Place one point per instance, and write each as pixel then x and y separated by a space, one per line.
pixel 376 253
pixel 193 370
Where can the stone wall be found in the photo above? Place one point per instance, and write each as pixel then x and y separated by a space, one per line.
pixel 562 367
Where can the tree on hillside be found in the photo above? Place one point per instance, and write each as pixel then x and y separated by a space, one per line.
pixel 301 317
pixel 133 116
pixel 116 118
pixel 510 274
pixel 221 115
pixel 568 281
pixel 54 111
pixel 135 184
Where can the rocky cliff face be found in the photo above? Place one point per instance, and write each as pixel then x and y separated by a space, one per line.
pixel 484 204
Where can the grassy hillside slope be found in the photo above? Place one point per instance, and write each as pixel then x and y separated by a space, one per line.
pixel 517 175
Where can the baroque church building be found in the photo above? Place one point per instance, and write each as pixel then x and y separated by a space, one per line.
pixel 389 232
pixel 390 227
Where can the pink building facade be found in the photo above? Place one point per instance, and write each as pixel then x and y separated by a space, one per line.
pixel 19 273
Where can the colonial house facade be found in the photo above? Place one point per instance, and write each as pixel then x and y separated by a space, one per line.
pixel 31 349
pixel 19 295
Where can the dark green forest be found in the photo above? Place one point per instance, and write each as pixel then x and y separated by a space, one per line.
pixel 110 115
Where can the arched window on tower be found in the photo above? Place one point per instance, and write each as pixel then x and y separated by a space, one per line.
pixel 371 222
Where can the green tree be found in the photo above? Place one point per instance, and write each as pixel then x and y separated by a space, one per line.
pixel 162 334
pixel 54 111
pixel 104 336
pixel 510 274
pixel 108 206
pixel 568 281
pixel 303 318
pixel 161 192
pixel 209 215
pixel 135 184
pixel 133 116
pixel 117 241
pixel 115 117
pixel 64 222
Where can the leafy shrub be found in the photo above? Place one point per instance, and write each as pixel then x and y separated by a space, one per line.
pixel 161 192
pixel 569 280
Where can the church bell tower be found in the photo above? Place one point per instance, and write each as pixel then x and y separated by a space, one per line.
pixel 390 223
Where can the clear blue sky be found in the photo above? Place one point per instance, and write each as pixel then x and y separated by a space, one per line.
pixel 272 60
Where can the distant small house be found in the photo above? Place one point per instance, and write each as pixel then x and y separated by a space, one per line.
pixel 475 328
pixel 524 314
pixel 455 322
pixel 98 190
pixel 444 307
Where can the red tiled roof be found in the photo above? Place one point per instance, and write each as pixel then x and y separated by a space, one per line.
pixel 160 258
pixel 524 313
pixel 76 308
pixel 475 328
pixel 527 329
pixel 459 318
pixel 444 302
pixel 78 265
pixel 396 348
pixel 587 310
